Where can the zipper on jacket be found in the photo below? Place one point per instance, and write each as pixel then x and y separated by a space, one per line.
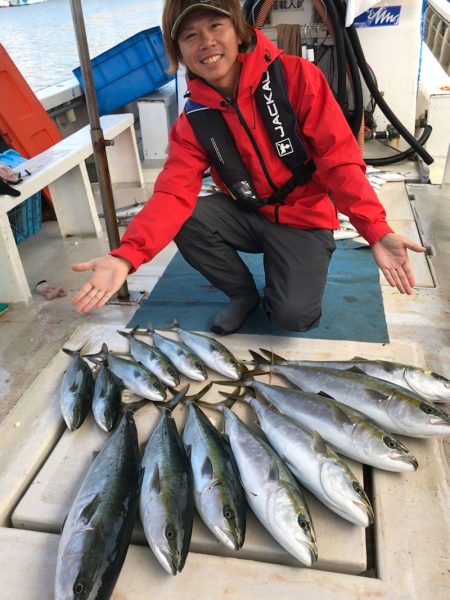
pixel 233 103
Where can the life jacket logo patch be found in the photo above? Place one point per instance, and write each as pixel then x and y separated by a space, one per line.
pixel 284 147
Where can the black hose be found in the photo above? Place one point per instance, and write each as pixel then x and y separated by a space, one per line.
pixel 340 51
pixel 415 145
pixel 356 119
pixel 390 160
pixel 247 9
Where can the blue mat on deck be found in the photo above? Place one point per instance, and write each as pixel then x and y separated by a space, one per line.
pixel 352 307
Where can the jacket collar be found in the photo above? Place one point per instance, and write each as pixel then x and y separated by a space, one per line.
pixel 254 64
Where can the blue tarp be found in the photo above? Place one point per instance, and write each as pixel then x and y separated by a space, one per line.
pixel 352 306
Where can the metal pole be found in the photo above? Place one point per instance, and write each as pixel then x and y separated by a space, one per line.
pixel 98 141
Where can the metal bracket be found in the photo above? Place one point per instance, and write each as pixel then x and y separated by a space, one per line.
pixel 134 299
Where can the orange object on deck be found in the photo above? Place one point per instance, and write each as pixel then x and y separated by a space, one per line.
pixel 24 123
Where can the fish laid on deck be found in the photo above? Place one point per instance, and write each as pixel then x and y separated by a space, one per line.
pixel 76 390
pixel 425 383
pixel 97 532
pixel 153 359
pixel 166 502
pixel 395 409
pixel 271 491
pixel 218 493
pixel 348 431
pixel 314 464
pixel 135 376
pixel 214 354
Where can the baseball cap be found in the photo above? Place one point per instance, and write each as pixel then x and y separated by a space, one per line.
pixel 217 5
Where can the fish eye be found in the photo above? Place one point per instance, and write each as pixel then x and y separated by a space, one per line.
pixel 302 522
pixel 78 588
pixel 227 513
pixel 170 533
pixel 198 365
pixel 427 409
pixel 389 442
pixel 357 487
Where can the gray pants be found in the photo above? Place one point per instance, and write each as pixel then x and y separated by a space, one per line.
pixel 295 260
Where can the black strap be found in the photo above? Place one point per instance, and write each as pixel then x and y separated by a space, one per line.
pixel 279 117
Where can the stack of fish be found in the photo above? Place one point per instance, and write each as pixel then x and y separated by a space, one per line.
pixel 348 408
pixel 147 372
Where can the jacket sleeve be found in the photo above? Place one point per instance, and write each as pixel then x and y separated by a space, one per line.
pixel 336 153
pixel 172 202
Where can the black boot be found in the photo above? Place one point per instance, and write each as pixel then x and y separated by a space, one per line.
pixel 232 316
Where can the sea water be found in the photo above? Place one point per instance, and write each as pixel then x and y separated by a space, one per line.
pixel 41 38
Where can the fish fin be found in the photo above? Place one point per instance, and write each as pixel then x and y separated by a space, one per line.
pixel 173 402
pixel 141 478
pixel 64 522
pixel 275 359
pixel 155 483
pixel 230 399
pixel 325 395
pixel 340 416
pixel 274 473
pixel 68 351
pixel 95 453
pixel 200 393
pixel 376 395
pixel 355 369
pixel 361 358
pixel 258 359
pixel 126 334
pixel 89 510
pixel 133 407
pixel 318 444
pixel 207 469
pixel 188 449
pixel 214 405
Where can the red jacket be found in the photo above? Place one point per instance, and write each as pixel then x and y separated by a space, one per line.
pixel 338 184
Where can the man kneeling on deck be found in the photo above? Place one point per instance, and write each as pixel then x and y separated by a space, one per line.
pixel 282 153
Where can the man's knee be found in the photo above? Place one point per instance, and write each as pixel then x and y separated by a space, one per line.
pixel 293 317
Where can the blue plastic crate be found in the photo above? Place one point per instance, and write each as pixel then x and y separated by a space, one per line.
pixel 26 219
pixel 133 68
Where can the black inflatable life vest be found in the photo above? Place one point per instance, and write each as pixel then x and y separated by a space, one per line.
pixel 280 121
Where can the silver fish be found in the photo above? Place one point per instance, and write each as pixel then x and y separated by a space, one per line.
pixel 98 528
pixel 271 491
pixel 393 408
pixel 214 354
pixel 76 390
pixel 166 503
pixel 346 430
pixel 314 464
pixel 153 359
pixel 423 382
pixel 135 376
pixel 106 398
pixel 218 494
pixel 186 361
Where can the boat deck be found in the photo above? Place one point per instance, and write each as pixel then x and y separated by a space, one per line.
pixel 404 555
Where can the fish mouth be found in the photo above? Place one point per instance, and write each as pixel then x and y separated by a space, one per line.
pixel 440 421
pixel 367 510
pixel 407 460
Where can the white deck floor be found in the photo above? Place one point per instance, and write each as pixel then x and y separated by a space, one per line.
pixel 411 535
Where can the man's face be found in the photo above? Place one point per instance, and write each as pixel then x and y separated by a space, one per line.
pixel 209 47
